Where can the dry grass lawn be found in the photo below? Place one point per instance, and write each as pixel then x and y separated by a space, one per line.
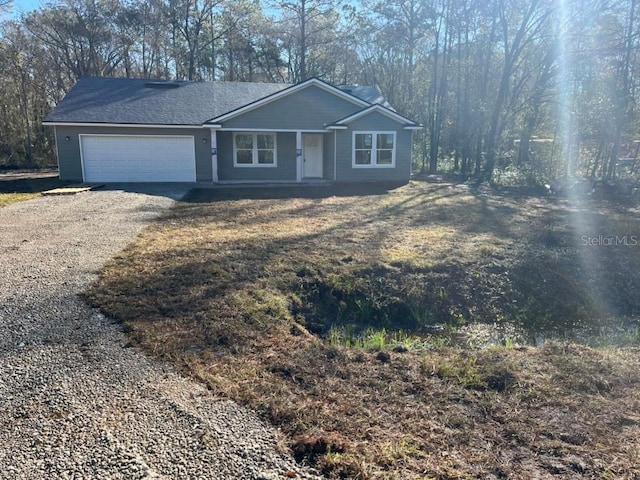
pixel 9 198
pixel 352 319
pixel 18 186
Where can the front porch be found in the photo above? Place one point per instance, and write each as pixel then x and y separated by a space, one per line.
pixel 272 157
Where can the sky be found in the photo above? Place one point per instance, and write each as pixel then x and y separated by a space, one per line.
pixel 22 6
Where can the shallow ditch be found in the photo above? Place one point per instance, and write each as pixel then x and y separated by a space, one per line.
pixel 395 306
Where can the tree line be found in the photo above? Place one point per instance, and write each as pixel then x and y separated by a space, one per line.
pixel 518 89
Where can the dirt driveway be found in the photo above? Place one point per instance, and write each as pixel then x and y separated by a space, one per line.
pixel 74 401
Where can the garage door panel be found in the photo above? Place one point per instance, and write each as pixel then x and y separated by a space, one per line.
pixel 139 158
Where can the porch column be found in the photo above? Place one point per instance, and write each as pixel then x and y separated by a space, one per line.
pixel 299 159
pixel 214 155
pixel 335 155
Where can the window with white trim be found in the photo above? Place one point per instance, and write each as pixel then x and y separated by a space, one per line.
pixel 374 149
pixel 254 149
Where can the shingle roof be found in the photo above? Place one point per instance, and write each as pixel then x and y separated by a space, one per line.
pixel 155 102
pixel 140 101
pixel 366 93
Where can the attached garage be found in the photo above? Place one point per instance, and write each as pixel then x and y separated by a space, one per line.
pixel 138 158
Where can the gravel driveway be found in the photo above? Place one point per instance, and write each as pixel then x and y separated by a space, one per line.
pixel 74 402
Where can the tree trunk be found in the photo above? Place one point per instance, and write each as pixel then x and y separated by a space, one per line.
pixel 303 40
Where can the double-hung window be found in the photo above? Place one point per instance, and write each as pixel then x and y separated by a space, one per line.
pixel 254 149
pixel 374 149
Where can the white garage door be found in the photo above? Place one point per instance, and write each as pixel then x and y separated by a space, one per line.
pixel 139 158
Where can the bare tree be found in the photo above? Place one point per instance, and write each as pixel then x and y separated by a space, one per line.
pixel 514 42
pixel 312 19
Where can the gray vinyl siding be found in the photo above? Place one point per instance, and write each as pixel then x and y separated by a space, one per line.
pixel 286 161
pixel 70 163
pixel 329 156
pixel 308 109
pixel 373 122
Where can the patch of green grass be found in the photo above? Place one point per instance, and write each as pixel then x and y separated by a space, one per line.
pixel 461 369
pixel 374 339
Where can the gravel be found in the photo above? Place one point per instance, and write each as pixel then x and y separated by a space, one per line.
pixel 74 401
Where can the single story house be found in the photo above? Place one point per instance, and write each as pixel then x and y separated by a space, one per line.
pixel 137 130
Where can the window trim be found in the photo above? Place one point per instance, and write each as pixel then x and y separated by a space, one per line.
pixel 254 155
pixel 374 149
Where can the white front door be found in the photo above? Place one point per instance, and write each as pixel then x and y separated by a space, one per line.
pixel 312 155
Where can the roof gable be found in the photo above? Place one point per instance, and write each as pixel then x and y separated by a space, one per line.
pixel 312 82
pixel 406 122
